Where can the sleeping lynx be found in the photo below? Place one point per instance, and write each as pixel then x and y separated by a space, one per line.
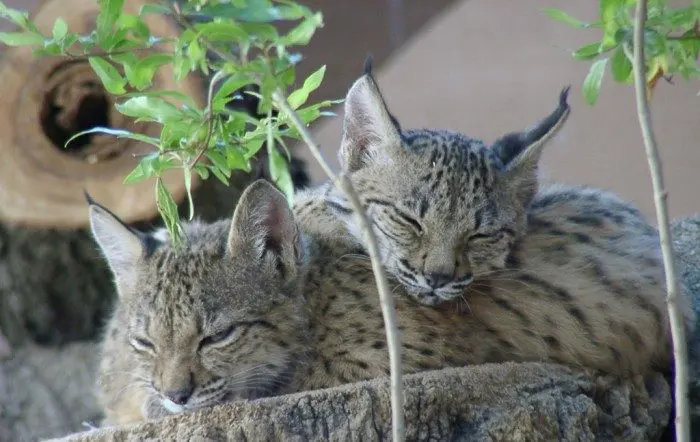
pixel 263 305
pixel 456 218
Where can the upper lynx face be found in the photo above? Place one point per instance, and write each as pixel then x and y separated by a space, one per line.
pixel 217 320
pixel 446 208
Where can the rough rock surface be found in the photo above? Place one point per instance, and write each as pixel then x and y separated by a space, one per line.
pixel 47 392
pixel 500 402
pixel 492 402
pixel 686 236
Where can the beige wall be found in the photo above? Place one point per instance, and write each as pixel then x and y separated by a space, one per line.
pixel 486 67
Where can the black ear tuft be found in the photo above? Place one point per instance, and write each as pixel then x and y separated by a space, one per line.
pixel 88 198
pixel 564 97
pixel 368 64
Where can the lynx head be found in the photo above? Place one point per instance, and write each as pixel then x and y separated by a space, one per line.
pixel 446 208
pixel 220 318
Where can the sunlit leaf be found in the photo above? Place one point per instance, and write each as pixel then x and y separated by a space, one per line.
pixel 111 79
pixel 562 16
pixel 620 66
pixel 168 211
pixel 302 33
pixel 593 81
pixel 188 188
pixel 279 172
pixel 313 81
pixel 21 38
pixel 119 133
pixel 588 51
pixel 110 10
pixel 154 8
pixel 60 29
pixel 221 31
pixel 149 108
pixel 176 95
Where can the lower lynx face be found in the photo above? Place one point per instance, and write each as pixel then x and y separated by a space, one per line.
pixel 192 327
pixel 447 208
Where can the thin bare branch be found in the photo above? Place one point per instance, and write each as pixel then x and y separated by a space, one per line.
pixel 385 296
pixel 210 118
pixel 682 419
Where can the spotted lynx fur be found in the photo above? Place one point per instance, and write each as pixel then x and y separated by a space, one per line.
pixel 264 305
pixel 458 220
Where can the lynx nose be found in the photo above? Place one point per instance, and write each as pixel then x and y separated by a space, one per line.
pixel 180 396
pixel 437 280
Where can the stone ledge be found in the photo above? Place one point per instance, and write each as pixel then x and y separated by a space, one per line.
pixel 496 402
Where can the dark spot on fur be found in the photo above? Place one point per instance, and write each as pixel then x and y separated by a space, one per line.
pixel 553 342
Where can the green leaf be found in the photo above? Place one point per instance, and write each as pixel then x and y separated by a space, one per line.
pixel 562 16
pixel 119 133
pixel 235 160
pixel 154 8
pixel 168 211
pixel 588 51
pixel 134 24
pixel 279 172
pixel 188 188
pixel 145 69
pixel 182 66
pixel 218 174
pixel 312 112
pixel 312 82
pixel 253 146
pixel 60 29
pixel 302 33
pixel 221 31
pixel 21 38
pixel 142 171
pixel 228 87
pixel 620 66
pixel 20 18
pixel 150 109
pixel 201 170
pixel 176 95
pixel 219 160
pixel 110 10
pixel 111 79
pixel 260 31
pixel 593 81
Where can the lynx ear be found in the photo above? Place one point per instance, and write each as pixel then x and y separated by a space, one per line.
pixel 263 223
pixel 123 247
pixel 368 127
pixel 520 152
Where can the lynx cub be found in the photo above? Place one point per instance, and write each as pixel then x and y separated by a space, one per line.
pixel 456 218
pixel 263 305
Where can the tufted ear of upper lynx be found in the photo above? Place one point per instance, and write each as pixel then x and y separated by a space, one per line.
pixel 121 246
pixel 523 149
pixel 263 222
pixel 368 126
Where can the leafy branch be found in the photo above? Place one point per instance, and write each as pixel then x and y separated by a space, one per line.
pixel 682 418
pixel 385 296
pixel 659 43
pixel 234 43
pixel 671 37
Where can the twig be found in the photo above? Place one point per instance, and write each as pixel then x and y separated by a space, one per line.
pixel 387 301
pixel 210 118
pixel 682 419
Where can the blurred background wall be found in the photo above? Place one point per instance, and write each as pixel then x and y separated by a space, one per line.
pixel 486 67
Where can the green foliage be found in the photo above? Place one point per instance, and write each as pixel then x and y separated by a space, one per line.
pixel 672 42
pixel 234 42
